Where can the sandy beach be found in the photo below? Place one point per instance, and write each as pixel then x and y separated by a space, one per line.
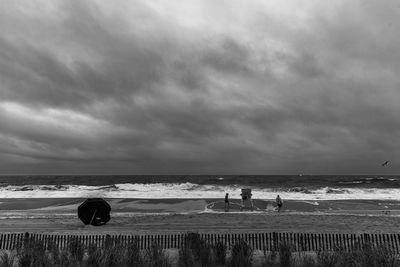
pixel 210 223
pixel 139 216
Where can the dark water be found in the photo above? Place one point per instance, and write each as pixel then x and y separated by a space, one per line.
pixel 264 181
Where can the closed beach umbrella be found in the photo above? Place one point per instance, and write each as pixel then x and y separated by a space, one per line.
pixel 94 211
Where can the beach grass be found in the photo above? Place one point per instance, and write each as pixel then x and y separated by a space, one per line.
pixel 196 252
pixel 363 256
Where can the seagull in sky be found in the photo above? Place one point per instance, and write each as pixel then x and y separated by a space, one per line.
pixel 385 163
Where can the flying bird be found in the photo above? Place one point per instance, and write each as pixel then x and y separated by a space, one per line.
pixel 385 163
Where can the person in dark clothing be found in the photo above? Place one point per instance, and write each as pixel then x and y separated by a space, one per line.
pixel 279 203
pixel 227 202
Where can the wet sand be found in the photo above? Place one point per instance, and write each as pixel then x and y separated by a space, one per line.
pixel 121 205
pixel 139 216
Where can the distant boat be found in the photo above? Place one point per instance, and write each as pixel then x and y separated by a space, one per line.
pixel 220 178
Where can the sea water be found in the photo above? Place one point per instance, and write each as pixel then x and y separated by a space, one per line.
pixel 294 187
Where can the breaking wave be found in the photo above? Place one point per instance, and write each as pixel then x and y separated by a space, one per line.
pixel 371 180
pixel 192 190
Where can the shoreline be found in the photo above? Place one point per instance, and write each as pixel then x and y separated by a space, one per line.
pixel 190 205
pixel 144 216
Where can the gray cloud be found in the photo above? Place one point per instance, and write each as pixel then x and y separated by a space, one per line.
pixel 146 88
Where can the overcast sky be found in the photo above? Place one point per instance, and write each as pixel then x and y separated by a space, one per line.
pixel 199 87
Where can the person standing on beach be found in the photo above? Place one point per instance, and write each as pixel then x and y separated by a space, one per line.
pixel 279 203
pixel 227 202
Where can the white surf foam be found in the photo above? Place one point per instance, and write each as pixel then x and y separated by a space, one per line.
pixel 191 190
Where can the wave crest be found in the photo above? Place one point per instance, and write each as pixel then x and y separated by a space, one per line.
pixel 193 191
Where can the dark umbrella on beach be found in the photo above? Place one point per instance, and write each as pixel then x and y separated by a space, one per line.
pixel 94 211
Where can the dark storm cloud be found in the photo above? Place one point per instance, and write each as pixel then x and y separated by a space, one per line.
pixel 196 87
pixel 123 66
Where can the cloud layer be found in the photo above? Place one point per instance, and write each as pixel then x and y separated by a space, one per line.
pixel 199 87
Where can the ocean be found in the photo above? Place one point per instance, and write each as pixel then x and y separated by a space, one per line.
pixel 290 187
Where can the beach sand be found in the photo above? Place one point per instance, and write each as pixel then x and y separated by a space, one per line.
pixel 210 223
pixel 150 216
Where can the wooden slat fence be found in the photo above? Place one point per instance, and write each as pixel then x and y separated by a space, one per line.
pixel 260 241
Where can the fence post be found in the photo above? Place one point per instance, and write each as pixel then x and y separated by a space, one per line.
pixel 366 240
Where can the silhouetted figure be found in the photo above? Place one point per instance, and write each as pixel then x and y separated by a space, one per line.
pixel 227 202
pixel 279 203
pixel 385 163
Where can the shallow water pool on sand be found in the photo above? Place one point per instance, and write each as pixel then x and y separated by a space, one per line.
pixel 52 207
